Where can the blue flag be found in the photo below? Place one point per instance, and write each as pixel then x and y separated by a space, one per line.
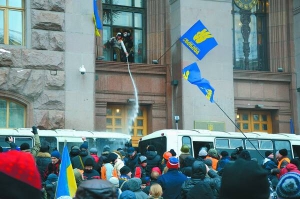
pixel 193 75
pixel 292 126
pixel 97 20
pixel 198 40
pixel 66 185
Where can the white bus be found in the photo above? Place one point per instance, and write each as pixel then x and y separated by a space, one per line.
pixel 167 139
pixel 57 138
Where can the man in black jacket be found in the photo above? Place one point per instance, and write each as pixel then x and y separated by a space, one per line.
pixel 153 159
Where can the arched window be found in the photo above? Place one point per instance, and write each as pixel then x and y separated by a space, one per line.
pixel 12 114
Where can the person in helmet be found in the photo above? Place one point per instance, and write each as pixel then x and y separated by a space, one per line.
pixel 164 161
pixel 140 169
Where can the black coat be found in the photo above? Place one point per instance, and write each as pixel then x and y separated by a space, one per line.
pixel 42 162
pixel 132 163
pixel 78 161
pixel 153 160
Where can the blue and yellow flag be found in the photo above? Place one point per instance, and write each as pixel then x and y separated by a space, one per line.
pixel 198 40
pixel 193 75
pixel 66 185
pixel 97 20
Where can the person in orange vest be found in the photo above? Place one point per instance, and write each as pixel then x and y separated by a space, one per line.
pixel 213 155
pixel 282 158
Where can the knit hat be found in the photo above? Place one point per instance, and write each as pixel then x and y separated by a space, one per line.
pixel 127 195
pixel 289 186
pixel 114 181
pixel 44 147
pixel 112 157
pixel 55 154
pixel 173 163
pixel 156 169
pixel 89 162
pixel 185 149
pixel 173 152
pixel 51 178
pixel 202 152
pixel 93 150
pixel 267 153
pixel 134 184
pixel 19 176
pixel 244 179
pixel 24 146
pixel 283 152
pixel 84 146
pixel 151 148
pixel 245 155
pixel 125 170
pixel 106 149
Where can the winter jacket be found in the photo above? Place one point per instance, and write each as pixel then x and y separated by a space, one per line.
pixel 132 162
pixel 118 165
pixel 107 171
pixel 91 174
pixel 222 162
pixel 43 159
pixel 214 162
pixel 186 168
pixel 78 161
pixel 153 160
pixel 140 172
pixel 134 185
pixel 182 157
pixel 199 175
pixel 171 183
pixel 201 190
pixel 289 168
pixel 52 168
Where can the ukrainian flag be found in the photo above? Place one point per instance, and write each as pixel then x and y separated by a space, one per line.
pixel 66 185
pixel 97 20
pixel 198 40
pixel 193 75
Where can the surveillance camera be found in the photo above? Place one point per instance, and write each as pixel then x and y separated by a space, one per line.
pixel 82 70
pixel 177 118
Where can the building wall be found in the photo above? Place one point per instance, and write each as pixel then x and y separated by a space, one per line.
pixel 296 71
pixel 216 66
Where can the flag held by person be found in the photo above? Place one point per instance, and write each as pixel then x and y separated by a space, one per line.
pixel 97 20
pixel 66 185
pixel 193 75
pixel 198 40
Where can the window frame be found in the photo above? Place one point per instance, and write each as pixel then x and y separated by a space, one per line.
pixel 8 112
pixel 141 10
pixel 251 122
pixel 6 10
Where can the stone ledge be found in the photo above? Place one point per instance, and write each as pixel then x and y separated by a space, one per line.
pixel 261 76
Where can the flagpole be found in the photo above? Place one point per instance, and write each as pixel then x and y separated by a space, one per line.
pixel 238 128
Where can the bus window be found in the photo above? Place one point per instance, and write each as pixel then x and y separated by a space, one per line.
pixel 113 143
pixel 160 144
pixel 198 145
pixel 250 143
pixel 296 150
pixel 50 141
pixel 3 143
pixel 234 143
pixel 21 140
pixel 186 140
pixel 265 145
pixel 283 145
pixel 70 144
pixel 222 143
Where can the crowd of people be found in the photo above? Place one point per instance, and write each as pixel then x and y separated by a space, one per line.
pixel 33 173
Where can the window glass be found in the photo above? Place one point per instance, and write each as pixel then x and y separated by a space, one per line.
pixel 15 3
pixel 16 115
pixel 123 19
pixel 266 144
pixel 108 121
pixel 245 117
pixel 15 27
pixel 138 3
pixel 122 2
pixel 108 111
pixel 282 145
pixel 138 20
pixel 265 127
pixel 140 113
pixel 187 141
pixel 256 127
pixel 264 118
pixel 234 143
pixel 222 143
pixel 160 144
pixel 2 2
pixel 249 145
pixel 138 46
pixel 139 132
pixel 3 111
pixel 1 27
pixel 255 117
pixel 118 121
pixel 139 122
pixel 21 140
pixel 50 141
pixel 245 126
pixel 118 112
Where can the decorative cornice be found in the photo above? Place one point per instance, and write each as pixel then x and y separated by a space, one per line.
pixel 122 67
pixel 261 76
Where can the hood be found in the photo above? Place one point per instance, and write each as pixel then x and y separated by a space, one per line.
pixel 97 188
pixel 188 161
pixel 134 184
pixel 83 153
pixel 198 170
pixel 291 167
pixel 151 155
pixel 43 155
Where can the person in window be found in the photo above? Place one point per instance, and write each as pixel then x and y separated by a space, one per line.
pixel 118 46
pixel 127 39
